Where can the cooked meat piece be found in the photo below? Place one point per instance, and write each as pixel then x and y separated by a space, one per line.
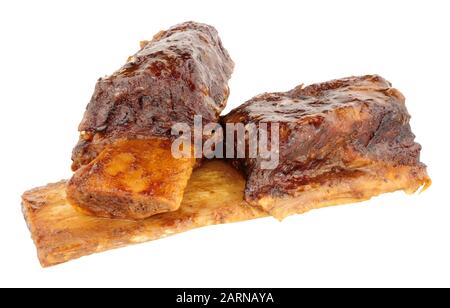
pixel 181 73
pixel 341 141
pixel 214 195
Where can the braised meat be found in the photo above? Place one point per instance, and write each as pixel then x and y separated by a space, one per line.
pixel 340 141
pixel 181 73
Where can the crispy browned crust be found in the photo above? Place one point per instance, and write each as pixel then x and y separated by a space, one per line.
pixel 131 179
pixel 182 72
pixel 341 141
pixel 214 195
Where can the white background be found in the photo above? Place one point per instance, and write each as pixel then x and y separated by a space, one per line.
pixel 52 53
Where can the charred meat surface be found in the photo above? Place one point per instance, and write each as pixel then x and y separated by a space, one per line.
pixel 181 73
pixel 340 141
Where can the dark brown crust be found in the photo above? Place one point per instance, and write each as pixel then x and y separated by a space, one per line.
pixel 182 72
pixel 330 130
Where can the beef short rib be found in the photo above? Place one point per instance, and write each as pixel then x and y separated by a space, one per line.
pixel 340 141
pixel 182 72
pixel 123 161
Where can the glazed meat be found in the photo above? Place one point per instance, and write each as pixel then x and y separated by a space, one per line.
pixel 181 73
pixel 340 141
